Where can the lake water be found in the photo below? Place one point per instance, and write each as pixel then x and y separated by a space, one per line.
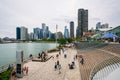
pixel 8 51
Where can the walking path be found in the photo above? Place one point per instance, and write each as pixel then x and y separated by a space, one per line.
pixel 46 71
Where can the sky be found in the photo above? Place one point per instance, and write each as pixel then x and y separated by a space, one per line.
pixel 32 13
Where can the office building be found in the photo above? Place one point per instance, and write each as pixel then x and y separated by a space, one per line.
pixel 36 33
pixel 66 32
pixel 71 29
pixel 82 22
pixel 44 30
pixel 23 33
pixel 18 33
pixel 98 25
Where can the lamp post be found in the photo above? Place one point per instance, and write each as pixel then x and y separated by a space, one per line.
pixel 56 35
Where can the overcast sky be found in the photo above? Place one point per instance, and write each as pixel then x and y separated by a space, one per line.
pixel 31 13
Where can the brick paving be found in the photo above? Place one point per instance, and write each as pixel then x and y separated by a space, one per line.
pixel 45 70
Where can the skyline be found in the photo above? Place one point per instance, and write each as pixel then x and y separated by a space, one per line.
pixel 32 14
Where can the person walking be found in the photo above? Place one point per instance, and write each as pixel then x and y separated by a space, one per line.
pixel 59 68
pixel 65 55
pixel 55 66
pixel 82 61
pixel 26 70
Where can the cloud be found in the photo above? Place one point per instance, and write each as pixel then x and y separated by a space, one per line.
pixel 31 13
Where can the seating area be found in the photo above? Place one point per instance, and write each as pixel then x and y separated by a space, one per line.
pixel 91 58
pixel 89 45
pixel 96 60
pixel 115 48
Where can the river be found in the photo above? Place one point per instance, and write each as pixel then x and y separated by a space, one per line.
pixel 8 51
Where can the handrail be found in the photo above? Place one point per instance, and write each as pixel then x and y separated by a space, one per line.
pixel 103 64
pixel 5 67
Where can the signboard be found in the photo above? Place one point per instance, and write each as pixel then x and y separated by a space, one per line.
pixel 19 63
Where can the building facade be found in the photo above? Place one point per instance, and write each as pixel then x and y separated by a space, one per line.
pixel 24 33
pixel 36 33
pixel 66 32
pixel 71 29
pixel 82 22
pixel 98 25
pixel 44 30
pixel 18 36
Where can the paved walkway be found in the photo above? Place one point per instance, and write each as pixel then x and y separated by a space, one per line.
pixel 45 70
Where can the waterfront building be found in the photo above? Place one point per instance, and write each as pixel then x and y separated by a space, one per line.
pixel 53 36
pixel 18 33
pixel 98 25
pixel 59 35
pixel 77 32
pixel 44 30
pixel 103 26
pixel 31 36
pixel 47 32
pixel 23 33
pixel 71 29
pixel 36 33
pixel 41 34
pixel 66 32
pixel 82 22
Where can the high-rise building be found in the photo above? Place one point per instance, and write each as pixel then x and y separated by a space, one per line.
pixel 31 36
pixel 98 25
pixel 24 33
pixel 66 32
pixel 82 22
pixel 41 34
pixel 47 32
pixel 77 32
pixel 59 35
pixel 103 26
pixel 71 29
pixel 18 33
pixel 36 33
pixel 44 30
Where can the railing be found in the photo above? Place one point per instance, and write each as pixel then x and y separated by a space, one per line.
pixel 6 66
pixel 102 65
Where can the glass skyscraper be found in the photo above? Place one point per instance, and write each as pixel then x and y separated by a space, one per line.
pixel 66 32
pixel 18 33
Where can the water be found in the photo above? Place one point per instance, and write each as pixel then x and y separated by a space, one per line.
pixel 8 51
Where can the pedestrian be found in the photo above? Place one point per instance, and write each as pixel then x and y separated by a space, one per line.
pixel 82 61
pixel 55 66
pixel 57 56
pixel 59 53
pixel 73 63
pixel 26 70
pixel 57 62
pixel 65 56
pixel 76 56
pixel 59 68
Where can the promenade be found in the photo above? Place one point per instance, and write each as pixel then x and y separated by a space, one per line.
pixel 46 71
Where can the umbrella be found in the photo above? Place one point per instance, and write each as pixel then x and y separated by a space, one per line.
pixel 109 35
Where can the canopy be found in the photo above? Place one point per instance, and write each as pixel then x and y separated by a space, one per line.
pixel 109 35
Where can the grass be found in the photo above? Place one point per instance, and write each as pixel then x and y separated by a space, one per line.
pixel 5 75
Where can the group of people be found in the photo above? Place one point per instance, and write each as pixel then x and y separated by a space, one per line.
pixel 25 70
pixel 58 66
pixel 42 56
